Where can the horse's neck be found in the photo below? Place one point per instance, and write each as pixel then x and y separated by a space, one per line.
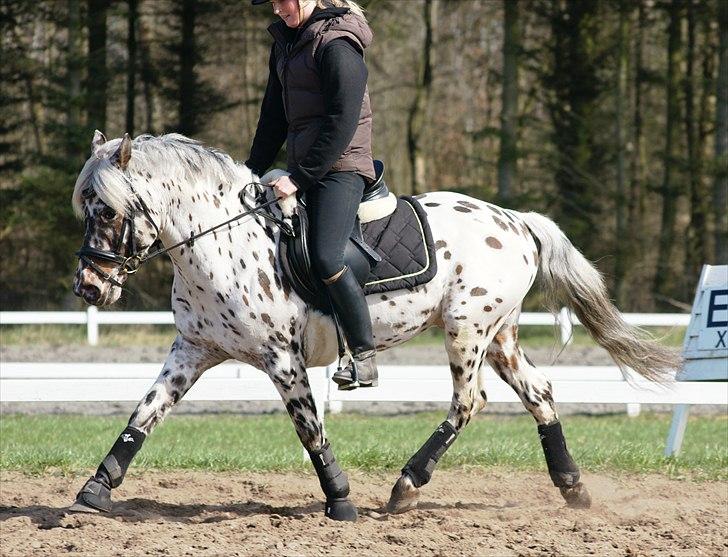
pixel 229 255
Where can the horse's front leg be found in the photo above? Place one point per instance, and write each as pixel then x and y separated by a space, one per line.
pixel 288 373
pixel 184 364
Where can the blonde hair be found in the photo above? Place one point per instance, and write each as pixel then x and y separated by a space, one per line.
pixel 355 8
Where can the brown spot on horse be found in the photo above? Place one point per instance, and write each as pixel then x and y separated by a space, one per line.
pixel 493 242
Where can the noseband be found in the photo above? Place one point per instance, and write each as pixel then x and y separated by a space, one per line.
pixel 130 264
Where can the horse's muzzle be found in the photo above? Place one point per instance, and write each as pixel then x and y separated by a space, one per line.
pixel 91 294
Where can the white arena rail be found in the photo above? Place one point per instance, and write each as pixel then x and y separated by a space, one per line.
pixel 92 318
pixel 53 382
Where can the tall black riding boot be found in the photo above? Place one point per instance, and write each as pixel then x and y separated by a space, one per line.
pixel 352 311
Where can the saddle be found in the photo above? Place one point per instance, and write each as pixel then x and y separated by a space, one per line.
pixel 389 249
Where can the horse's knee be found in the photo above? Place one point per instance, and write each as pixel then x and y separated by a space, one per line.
pixel 302 412
pixel 152 409
pixel 465 406
pixel 479 402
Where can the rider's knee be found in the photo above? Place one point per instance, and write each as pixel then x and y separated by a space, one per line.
pixel 326 264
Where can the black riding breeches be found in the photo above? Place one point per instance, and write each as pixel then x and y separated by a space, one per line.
pixel 331 206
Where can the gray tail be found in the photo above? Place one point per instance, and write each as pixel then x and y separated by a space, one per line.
pixel 568 279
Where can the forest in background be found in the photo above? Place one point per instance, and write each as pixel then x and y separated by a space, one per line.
pixel 610 116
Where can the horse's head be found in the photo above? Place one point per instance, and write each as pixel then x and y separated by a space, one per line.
pixel 119 225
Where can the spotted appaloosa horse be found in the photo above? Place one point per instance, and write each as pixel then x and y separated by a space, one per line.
pixel 230 301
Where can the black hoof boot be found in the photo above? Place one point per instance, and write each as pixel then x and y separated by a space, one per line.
pixel 341 509
pixel 94 497
pixel 361 371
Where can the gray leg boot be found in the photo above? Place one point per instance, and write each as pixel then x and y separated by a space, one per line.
pixel 352 311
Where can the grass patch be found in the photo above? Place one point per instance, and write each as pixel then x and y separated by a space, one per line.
pixel 162 335
pixel 109 335
pixel 72 443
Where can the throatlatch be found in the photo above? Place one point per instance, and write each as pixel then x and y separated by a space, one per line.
pixel 114 466
pixel 423 462
pixel 563 470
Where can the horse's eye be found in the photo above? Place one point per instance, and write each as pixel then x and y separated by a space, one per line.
pixel 108 213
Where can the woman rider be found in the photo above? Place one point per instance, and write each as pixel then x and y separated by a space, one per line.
pixel 317 101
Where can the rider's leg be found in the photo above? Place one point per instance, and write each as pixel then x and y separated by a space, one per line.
pixel 332 205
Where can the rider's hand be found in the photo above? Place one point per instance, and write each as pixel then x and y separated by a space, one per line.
pixel 284 187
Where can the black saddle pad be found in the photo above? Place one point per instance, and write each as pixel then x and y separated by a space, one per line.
pixel 404 242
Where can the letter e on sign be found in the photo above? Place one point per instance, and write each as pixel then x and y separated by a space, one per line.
pixel 714 334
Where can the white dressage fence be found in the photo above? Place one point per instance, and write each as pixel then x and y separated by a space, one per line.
pixel 234 381
pixel 52 382
pixel 92 318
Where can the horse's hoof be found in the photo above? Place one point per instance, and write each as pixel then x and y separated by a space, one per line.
pixel 405 496
pixel 577 496
pixel 341 509
pixel 94 497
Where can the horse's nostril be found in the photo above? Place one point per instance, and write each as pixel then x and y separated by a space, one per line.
pixel 90 293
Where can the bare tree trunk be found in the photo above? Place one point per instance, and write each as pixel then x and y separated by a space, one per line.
pixel 73 76
pixel 97 74
pixel 623 248
pixel 187 60
pixel 669 191
pixel 697 232
pixel 508 159
pixel 709 55
pixel 418 109
pixel 147 76
pixel 720 184
pixel 131 48
pixel 574 88
pixel 636 209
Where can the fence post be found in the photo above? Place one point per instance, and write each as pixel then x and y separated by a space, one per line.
pixel 565 325
pixel 92 325
pixel 677 429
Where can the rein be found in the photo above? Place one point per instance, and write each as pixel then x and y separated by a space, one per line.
pixel 130 264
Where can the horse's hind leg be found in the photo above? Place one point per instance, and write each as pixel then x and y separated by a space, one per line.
pixel 466 354
pixel 184 364
pixel 534 389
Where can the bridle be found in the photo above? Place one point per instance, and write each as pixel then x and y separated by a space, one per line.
pixel 130 264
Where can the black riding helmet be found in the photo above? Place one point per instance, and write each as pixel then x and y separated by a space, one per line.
pixel 256 2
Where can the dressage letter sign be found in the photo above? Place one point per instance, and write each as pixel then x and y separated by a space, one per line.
pixel 706 344
pixel 714 335
pixel 706 340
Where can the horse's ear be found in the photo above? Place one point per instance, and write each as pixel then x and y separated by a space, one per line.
pixel 98 140
pixel 123 153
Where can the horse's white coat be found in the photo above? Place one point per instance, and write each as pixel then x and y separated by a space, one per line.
pixel 230 301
